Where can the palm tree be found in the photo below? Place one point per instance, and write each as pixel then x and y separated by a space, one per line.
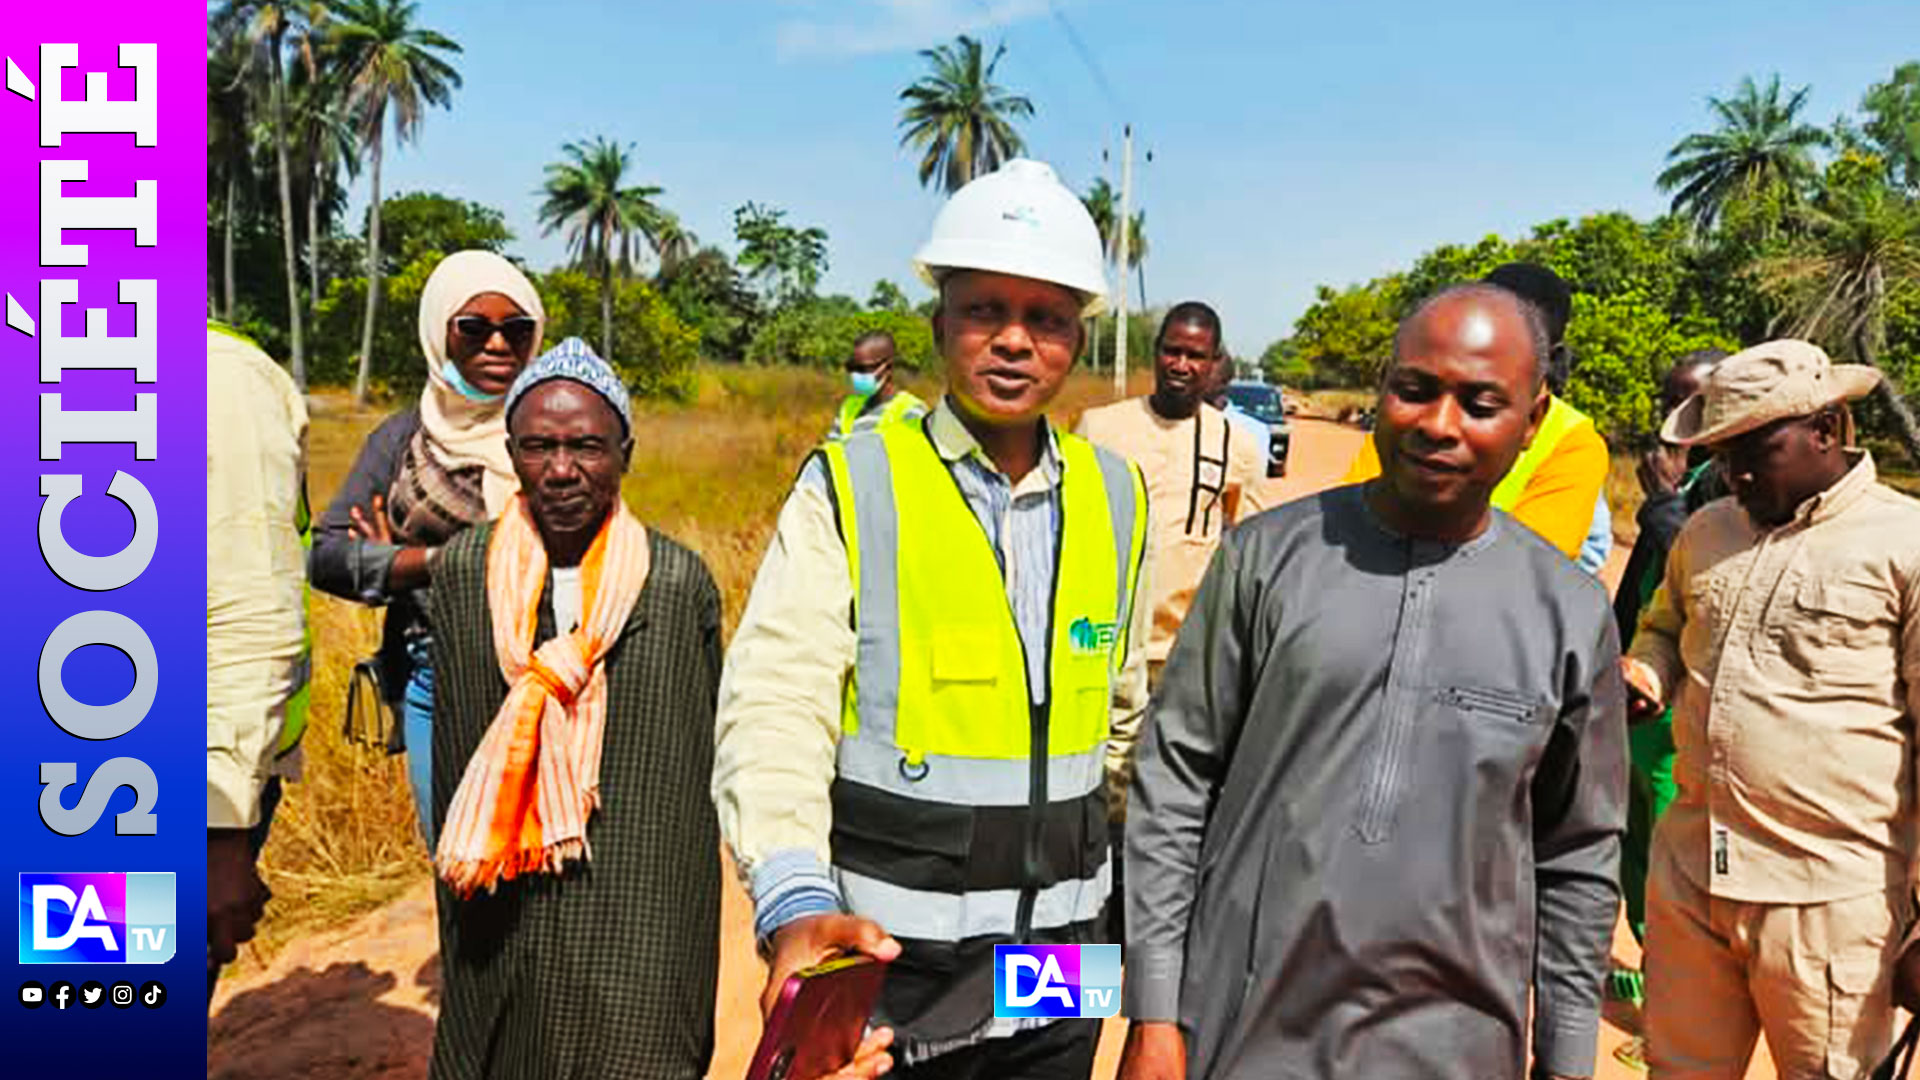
pixel 391 65
pixel 1103 207
pixel 229 148
pixel 587 195
pixel 1862 244
pixel 267 28
pixel 1759 143
pixel 327 146
pixel 959 118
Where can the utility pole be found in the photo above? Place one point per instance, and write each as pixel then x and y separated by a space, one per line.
pixel 1125 225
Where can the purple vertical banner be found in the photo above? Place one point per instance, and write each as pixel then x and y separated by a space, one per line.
pixel 102 646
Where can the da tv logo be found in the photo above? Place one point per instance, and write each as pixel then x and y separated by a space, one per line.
pixel 1056 980
pixel 96 918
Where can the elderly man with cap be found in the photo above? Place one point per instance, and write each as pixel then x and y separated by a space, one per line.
pixel 924 695
pixel 1786 637
pixel 578 655
pixel 1557 487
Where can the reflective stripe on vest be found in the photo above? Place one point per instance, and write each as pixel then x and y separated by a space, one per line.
pixel 902 406
pixel 1561 419
pixel 939 714
pixel 981 913
pixel 294 727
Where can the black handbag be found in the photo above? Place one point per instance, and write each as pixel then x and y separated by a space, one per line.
pixel 1899 1061
pixel 370 720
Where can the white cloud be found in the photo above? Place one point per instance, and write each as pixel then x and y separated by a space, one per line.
pixel 865 27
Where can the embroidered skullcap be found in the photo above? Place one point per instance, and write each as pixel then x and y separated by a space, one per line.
pixel 575 361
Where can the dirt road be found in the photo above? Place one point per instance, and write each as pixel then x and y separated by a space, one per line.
pixel 359 1003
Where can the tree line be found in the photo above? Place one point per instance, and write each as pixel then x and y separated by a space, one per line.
pixel 305 99
pixel 1776 226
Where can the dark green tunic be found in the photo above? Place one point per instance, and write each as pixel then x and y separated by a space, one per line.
pixel 610 970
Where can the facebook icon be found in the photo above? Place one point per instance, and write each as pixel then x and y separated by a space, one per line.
pixel 1056 980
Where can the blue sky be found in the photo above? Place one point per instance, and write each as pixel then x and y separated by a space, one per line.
pixel 1294 143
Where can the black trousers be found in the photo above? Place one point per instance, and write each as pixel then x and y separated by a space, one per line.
pixel 1063 1050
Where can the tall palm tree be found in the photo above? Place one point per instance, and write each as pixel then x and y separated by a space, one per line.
pixel 267 29
pixel 959 118
pixel 587 195
pixel 1103 207
pixel 327 145
pixel 229 147
pixel 392 66
pixel 1862 244
pixel 1760 142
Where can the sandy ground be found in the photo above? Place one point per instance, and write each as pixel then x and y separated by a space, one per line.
pixel 360 1002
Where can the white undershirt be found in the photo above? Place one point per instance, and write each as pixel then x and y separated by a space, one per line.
pixel 566 599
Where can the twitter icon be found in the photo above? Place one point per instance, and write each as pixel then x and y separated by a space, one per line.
pixel 92 994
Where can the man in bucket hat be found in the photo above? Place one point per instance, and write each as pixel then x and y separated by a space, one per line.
pixel 1786 638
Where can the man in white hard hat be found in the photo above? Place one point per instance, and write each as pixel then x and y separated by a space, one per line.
pixel 1786 638
pixel 917 714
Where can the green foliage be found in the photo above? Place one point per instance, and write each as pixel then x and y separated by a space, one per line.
pixel 820 333
pixel 1758 143
pixel 1284 364
pixel 1622 345
pixel 338 320
pixel 959 118
pixel 887 296
pixel 1448 264
pixel 1893 123
pixel 587 196
pixel 1345 338
pixel 709 295
pixel 785 261
pixel 653 350
pixel 419 222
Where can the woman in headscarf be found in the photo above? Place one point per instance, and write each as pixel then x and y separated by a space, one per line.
pixel 428 473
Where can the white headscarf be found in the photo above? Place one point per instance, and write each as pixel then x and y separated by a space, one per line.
pixel 461 432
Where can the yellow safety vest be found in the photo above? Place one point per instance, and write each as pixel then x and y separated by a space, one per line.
pixel 902 406
pixel 963 813
pixel 1561 419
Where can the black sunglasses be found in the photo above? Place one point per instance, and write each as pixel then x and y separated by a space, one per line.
pixel 518 330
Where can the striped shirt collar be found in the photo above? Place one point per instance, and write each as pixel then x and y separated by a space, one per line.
pixel 955 443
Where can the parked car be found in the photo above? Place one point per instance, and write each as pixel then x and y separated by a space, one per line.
pixel 1264 403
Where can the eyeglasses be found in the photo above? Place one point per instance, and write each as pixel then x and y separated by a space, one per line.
pixel 518 330
pixel 588 451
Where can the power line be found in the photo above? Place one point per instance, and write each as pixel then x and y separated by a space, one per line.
pixel 1086 57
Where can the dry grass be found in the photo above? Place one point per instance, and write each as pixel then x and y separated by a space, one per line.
pixel 711 474
pixel 1624 497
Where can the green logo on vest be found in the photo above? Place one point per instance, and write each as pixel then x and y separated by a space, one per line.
pixel 1089 637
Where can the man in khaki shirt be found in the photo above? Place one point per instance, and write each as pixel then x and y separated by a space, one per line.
pixel 1786 638
pixel 256 573
pixel 1203 473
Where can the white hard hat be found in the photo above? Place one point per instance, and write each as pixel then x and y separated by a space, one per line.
pixel 1019 220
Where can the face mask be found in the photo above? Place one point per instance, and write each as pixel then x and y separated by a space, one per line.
pixel 465 389
pixel 865 383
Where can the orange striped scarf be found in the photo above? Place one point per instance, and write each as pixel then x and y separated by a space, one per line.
pixel 535 779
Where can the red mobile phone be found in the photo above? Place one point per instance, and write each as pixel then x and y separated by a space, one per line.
pixel 819 1020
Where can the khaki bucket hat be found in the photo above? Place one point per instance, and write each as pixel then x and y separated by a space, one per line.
pixel 1755 387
